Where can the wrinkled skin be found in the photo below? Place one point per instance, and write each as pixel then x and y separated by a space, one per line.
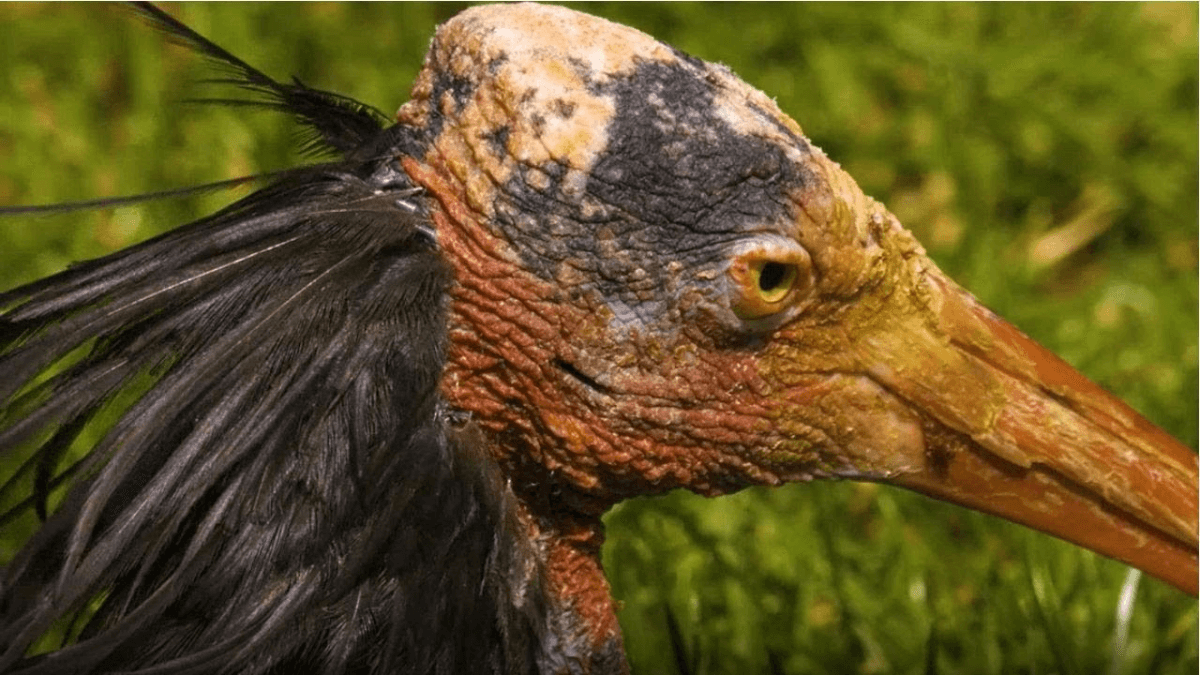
pixel 604 196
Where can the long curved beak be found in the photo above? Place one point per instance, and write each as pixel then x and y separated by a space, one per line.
pixel 1008 428
pixel 1039 444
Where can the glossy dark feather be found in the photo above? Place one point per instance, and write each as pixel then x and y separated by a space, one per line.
pixel 266 502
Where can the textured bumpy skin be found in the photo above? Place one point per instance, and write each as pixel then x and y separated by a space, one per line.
pixel 597 189
pixel 628 172
pixel 379 406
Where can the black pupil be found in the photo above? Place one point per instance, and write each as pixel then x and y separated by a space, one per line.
pixel 771 276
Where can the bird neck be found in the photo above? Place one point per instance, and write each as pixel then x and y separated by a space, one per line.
pixel 582 610
pixel 497 349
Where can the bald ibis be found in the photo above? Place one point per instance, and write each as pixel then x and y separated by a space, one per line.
pixel 370 415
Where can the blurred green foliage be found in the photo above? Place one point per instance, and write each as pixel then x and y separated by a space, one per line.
pixel 1045 154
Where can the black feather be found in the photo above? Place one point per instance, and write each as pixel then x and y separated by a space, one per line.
pixel 262 477
pixel 280 478
pixel 115 202
pixel 338 123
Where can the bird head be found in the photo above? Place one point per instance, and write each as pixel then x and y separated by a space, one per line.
pixel 661 283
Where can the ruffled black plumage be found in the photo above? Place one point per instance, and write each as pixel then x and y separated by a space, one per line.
pixel 259 474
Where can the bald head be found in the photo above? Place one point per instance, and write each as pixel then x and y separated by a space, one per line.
pixel 661 283
pixel 621 165
pixel 630 225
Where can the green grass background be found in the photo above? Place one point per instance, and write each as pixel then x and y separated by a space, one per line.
pixel 984 127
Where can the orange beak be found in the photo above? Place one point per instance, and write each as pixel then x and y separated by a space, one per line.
pixel 1008 428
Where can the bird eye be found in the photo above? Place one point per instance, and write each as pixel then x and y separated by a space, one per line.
pixel 775 279
pixel 766 280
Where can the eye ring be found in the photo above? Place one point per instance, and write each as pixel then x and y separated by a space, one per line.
pixel 767 280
